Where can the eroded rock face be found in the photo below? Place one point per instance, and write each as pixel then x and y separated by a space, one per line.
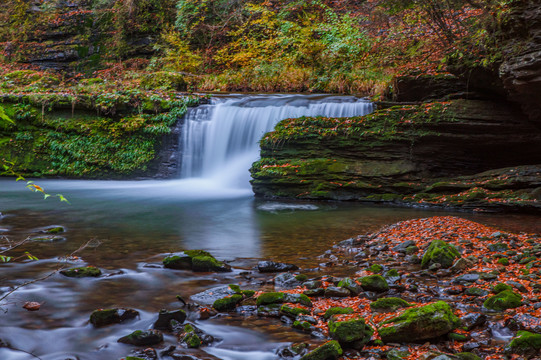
pixel 521 69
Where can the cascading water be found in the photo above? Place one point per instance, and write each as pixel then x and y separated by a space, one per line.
pixel 220 140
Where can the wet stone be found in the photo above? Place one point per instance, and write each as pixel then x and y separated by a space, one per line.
pixel 142 338
pixel 165 317
pixel 473 320
pixel 402 247
pixel 271 266
pixel 333 291
pixel 286 281
pixel 466 278
pixel 103 317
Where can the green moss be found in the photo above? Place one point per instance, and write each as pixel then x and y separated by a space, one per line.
pixel 467 356
pixel 503 261
pixel 87 271
pixel 392 273
pixel 302 325
pixel 375 283
pixel 439 252
pixel 180 262
pixel 301 277
pixel 293 311
pixel 376 268
pixel 475 291
pixel 498 288
pixel 270 298
pixel 506 299
pixel 54 230
pixel 420 323
pixel 329 351
pixel 457 337
pixel 525 343
pixel 247 293
pixel 227 303
pixel 192 340
pixel 235 288
pixel 336 311
pixel 389 304
pixel 350 330
pixel 196 260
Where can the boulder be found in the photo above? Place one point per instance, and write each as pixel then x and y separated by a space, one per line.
pixel 280 297
pixel 165 317
pixel 227 303
pixel 142 338
pixel 331 350
pixel 389 304
pixel 196 260
pixel 350 333
pixel 420 323
pixel 102 317
pixel 376 283
pixel 271 266
pixel 525 343
pixel 440 252
pixel 506 299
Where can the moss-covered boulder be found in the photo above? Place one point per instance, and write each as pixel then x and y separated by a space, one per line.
pixel 293 311
pixel 498 288
pixel 337 311
pixel 421 323
pixel 440 252
pixel 331 350
pixel 525 343
pixel 196 260
pixel 506 299
pixel 350 333
pixel 375 283
pixel 389 304
pixel 351 285
pixel 280 297
pixel 166 317
pixel 103 317
pixel 79 272
pixel 142 338
pixel 227 303
pixel 467 356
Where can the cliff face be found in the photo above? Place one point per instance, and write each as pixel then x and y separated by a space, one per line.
pixel 406 153
pixel 521 69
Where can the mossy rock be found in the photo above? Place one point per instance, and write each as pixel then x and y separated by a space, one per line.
pixel 525 343
pixel 498 247
pixel 337 311
pixel 142 338
pixel 192 340
pixel 457 337
pixel 196 260
pixel 227 303
pixel 86 271
pixel 54 230
pixel 440 252
pixel 389 304
pixel 506 299
pixel 498 288
pixel 467 356
pixel 375 283
pixel 349 331
pixel 331 350
pixel 376 268
pixel 103 317
pixel 503 261
pixel 395 354
pixel 302 325
pixel 475 291
pixel 420 323
pixel 166 317
pixel 279 297
pixel 292 312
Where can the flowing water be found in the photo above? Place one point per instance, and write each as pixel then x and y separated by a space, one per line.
pixel 137 223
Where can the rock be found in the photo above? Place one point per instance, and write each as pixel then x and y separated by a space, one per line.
pixel 336 311
pixel 292 312
pixel 331 350
pixel 403 246
pixel 286 281
pixel 102 317
pixel 350 331
pixel 440 252
pixel 467 356
pixel 461 265
pixel 407 88
pixel 314 284
pixel 165 317
pixel 525 343
pixel 518 286
pixel 473 320
pixel 466 278
pixel 506 299
pixel 271 266
pixel 389 304
pixel 227 303
pixel 498 247
pixel 475 291
pixel 421 323
pixel 279 297
pixel 191 337
pixel 350 285
pixel 333 291
pixel 208 297
pixel 87 271
pixel 53 230
pixel 376 283
pixel 395 354
pixel 142 338
pixel 196 260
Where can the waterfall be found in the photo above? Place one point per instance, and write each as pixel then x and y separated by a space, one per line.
pixel 220 140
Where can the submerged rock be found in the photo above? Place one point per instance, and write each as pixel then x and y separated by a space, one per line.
pixel 142 338
pixel 102 317
pixel 440 252
pixel 271 266
pixel 421 323
pixel 87 271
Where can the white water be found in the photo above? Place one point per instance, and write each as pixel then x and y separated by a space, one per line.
pixel 220 141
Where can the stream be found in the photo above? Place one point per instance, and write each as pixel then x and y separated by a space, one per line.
pixel 133 225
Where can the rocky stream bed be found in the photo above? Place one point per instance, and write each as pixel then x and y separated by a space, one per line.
pixel 432 288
